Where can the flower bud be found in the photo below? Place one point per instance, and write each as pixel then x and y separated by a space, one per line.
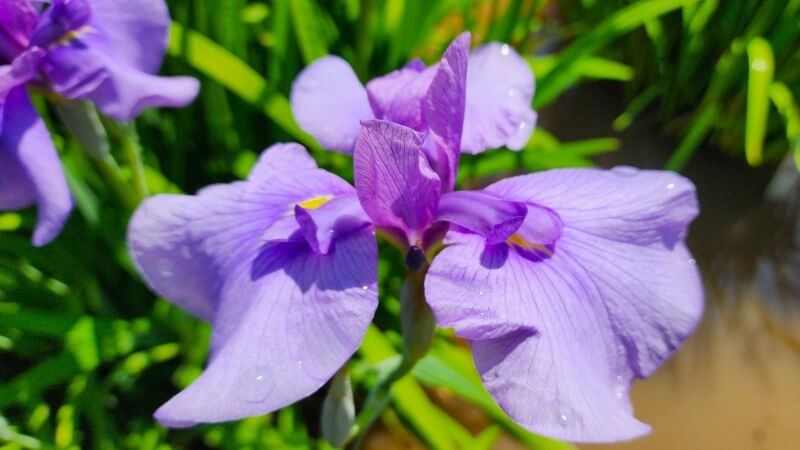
pixel 338 410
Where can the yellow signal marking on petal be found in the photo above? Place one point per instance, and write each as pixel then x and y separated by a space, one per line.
pixel 519 241
pixel 75 34
pixel 315 202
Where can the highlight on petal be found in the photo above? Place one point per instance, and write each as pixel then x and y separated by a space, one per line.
pixel 394 181
pixel 328 102
pixel 184 245
pixel 289 318
pixel 559 339
pixel 30 170
pixel 500 88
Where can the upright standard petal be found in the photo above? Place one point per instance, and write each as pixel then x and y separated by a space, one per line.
pixel 443 108
pixel 558 338
pixel 289 318
pixel 30 170
pixel 328 102
pixel 382 91
pixel 500 88
pixel 395 183
pixel 17 21
pixel 184 245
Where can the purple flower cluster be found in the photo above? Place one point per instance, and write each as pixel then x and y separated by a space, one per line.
pixel 568 284
pixel 79 50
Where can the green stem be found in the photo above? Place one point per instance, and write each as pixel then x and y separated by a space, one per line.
pixel 113 174
pixel 418 331
pixel 133 153
pixel 83 122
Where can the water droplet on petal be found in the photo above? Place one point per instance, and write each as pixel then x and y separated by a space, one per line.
pixel 563 417
pixel 523 125
pixel 505 50
pixel 513 92
pixel 365 287
pixel 625 170
pixel 165 269
pixel 619 395
pixel 671 186
pixel 254 385
pixel 692 261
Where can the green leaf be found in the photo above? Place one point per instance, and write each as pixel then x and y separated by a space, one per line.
pixel 567 68
pixel 309 29
pixel 694 137
pixel 785 103
pixel 231 72
pixel 254 13
pixel 762 66
pixel 486 439
pixel 437 428
pixel 81 342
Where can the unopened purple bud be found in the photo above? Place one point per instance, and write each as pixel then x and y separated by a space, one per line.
pixel 415 259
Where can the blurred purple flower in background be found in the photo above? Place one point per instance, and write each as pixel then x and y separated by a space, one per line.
pixel 329 101
pixel 103 51
pixel 568 284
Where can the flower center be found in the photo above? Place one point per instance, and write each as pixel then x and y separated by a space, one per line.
pixel 62 23
pixel 519 242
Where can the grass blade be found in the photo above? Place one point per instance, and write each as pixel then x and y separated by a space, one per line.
pixel 762 66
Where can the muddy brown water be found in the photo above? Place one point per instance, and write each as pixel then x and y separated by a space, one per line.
pixel 736 383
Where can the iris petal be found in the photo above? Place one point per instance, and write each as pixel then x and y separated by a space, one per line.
pixel 30 170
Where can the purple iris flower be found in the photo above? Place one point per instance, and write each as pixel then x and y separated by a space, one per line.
pixel 329 101
pixel 284 265
pixel 103 51
pixel 568 284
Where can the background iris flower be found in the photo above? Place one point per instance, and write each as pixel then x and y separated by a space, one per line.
pixel 102 51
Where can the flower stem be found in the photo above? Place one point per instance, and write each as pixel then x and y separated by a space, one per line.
pixel 418 332
pixel 83 122
pixel 127 135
